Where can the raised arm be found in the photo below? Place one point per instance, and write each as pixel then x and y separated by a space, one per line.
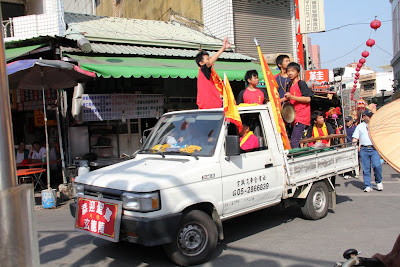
pixel 225 45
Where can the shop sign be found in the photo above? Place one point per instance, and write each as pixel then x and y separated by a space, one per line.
pixel 38 116
pixel 312 17
pixel 99 217
pixel 318 78
pixel 103 107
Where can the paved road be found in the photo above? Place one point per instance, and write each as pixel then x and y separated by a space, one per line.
pixel 272 237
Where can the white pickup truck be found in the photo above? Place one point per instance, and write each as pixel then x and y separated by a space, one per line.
pixel 190 175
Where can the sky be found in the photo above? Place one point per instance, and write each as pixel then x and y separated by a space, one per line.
pixel 335 44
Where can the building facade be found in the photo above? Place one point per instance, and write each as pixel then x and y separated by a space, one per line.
pixel 395 62
pixel 271 22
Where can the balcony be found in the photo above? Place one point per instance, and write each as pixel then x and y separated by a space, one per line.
pixel 25 27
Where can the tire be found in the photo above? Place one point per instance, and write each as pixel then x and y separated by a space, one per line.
pixel 317 202
pixel 195 240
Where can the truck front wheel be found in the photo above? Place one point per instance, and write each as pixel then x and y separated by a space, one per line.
pixel 317 201
pixel 195 240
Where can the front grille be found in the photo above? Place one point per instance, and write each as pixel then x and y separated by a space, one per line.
pixel 102 195
pixel 101 192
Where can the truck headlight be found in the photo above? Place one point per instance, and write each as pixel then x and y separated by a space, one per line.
pixel 79 190
pixel 141 201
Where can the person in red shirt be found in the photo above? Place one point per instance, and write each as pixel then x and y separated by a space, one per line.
pixel 319 128
pixel 252 94
pixel 208 95
pixel 248 141
pixel 299 96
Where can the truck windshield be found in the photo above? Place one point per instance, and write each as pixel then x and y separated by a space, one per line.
pixel 189 133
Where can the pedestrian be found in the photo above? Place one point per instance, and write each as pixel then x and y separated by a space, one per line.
pixel 252 94
pixel 299 96
pixel 208 95
pixel 350 127
pixel 282 79
pixel 368 154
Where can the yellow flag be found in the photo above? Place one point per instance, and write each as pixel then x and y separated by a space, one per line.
pixel 231 111
pixel 273 95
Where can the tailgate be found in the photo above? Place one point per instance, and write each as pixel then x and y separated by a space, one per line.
pixel 319 164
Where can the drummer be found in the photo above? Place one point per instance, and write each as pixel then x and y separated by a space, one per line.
pixel 299 96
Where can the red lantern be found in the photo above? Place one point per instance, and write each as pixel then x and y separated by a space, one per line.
pixel 352 97
pixel 353 90
pixel 375 24
pixel 356 77
pixel 365 54
pixel 357 74
pixel 362 60
pixel 358 69
pixel 359 65
pixel 355 81
pixel 370 42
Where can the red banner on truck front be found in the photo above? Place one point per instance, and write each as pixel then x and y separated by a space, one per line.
pixel 99 217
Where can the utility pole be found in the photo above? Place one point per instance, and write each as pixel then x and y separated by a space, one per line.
pixel 383 96
pixel 19 241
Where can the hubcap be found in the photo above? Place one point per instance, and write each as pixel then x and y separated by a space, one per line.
pixel 192 239
pixel 319 200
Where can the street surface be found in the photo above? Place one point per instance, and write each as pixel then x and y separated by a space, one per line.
pixel 273 237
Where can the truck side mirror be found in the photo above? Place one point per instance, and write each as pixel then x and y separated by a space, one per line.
pixel 232 145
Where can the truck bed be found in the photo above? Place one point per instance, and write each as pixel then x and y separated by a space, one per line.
pixel 315 165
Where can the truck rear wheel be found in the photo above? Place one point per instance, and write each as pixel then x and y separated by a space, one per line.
pixel 317 202
pixel 195 240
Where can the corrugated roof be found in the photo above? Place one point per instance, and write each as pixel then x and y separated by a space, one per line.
pixel 119 49
pixel 137 31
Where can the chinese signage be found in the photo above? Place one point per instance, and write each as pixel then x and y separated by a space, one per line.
pixel 312 18
pixel 38 116
pixel 319 79
pixel 103 107
pixel 28 100
pixel 99 217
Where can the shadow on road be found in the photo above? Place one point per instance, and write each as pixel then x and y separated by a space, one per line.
pixel 355 183
pixel 129 254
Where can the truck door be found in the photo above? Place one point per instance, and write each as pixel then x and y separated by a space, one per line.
pixel 252 178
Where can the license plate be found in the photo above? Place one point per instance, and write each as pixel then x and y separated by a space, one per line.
pixel 99 217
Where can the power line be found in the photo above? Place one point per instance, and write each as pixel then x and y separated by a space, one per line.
pixel 344 54
pixel 384 50
pixel 352 24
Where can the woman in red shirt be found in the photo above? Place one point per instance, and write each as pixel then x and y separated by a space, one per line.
pixel 319 128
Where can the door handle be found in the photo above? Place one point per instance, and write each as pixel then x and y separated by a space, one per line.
pixel 269 165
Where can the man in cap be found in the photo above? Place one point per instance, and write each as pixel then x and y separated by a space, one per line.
pixel 350 127
pixel 369 156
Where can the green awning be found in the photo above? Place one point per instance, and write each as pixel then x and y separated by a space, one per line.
pixel 160 67
pixel 12 53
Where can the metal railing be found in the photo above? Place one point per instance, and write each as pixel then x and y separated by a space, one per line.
pixel 8 28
